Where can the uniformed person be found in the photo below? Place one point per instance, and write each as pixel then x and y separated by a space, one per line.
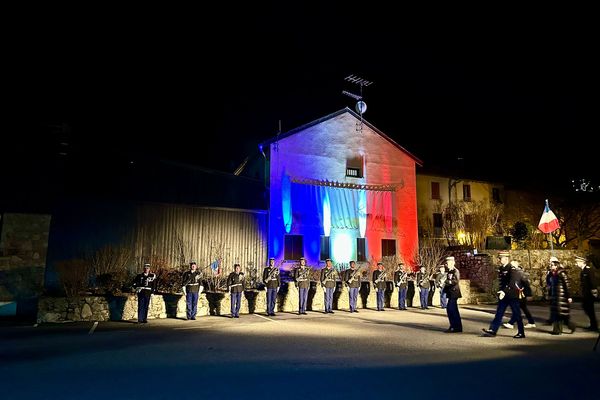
pixel 401 282
pixel 192 287
pixel 452 290
pixel 524 293
pixel 352 279
pixel 559 291
pixel 328 282
pixel 423 285
pixel 510 284
pixel 302 281
pixel 379 284
pixel 440 282
pixel 272 281
pixel 144 285
pixel 235 286
pixel 589 291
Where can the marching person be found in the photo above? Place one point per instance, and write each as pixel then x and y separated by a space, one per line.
pixel 302 280
pixel 379 284
pixel 524 294
pixel 589 291
pixel 400 279
pixel 144 285
pixel 272 281
pixel 192 287
pixel 423 284
pixel 511 282
pixel 410 292
pixel 235 286
pixel 452 290
pixel 328 282
pixel 440 282
pixel 353 280
pixel 559 291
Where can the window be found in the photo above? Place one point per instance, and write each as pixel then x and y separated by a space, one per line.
pixel 435 190
pixel 353 172
pixel 388 247
pixel 468 222
pixel 361 249
pixel 467 192
pixel 496 195
pixel 438 224
pixel 293 247
pixel 325 254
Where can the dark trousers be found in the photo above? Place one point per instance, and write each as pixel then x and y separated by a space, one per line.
pixel 191 302
pixel 303 297
pixel 410 294
pixel 424 293
pixel 143 305
pixel 271 298
pixel 431 293
pixel 454 315
pixel 443 299
pixel 516 312
pixel 523 307
pixel 402 298
pixel 236 300
pixel 353 292
pixel 329 299
pixel 588 307
pixel 380 298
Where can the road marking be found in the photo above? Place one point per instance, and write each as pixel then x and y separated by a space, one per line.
pixel 93 328
pixel 193 327
pixel 268 319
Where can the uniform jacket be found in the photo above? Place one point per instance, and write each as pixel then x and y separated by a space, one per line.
pixel 588 281
pixel 452 287
pixel 328 277
pixel 357 278
pixel 380 285
pixel 235 282
pixel 192 281
pixel 145 282
pixel 399 275
pixel 423 280
pixel 275 280
pixel 302 277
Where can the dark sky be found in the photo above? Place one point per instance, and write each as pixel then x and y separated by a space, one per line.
pixel 511 95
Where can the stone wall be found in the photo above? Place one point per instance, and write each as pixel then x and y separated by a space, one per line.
pixel 23 247
pixel 481 269
pixel 124 308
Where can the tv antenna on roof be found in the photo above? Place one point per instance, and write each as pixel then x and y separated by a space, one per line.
pixel 361 106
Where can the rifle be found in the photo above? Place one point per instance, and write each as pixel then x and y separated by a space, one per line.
pixel 353 277
pixel 380 278
pixel 403 276
pixel 272 274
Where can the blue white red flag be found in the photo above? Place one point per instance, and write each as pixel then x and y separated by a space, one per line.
pixel 548 222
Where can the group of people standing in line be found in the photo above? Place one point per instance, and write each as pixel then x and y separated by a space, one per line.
pixel 514 290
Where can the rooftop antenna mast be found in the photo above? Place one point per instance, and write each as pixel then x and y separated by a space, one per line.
pixel 361 106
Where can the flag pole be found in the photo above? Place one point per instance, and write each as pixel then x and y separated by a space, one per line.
pixel 550 235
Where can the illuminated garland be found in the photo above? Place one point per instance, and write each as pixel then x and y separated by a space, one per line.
pixel 345 185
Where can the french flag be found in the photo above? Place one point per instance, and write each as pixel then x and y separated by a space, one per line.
pixel 548 222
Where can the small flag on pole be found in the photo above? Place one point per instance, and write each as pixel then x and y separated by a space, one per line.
pixel 215 266
pixel 548 222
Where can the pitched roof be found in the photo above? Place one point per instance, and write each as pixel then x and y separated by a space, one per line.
pixel 333 115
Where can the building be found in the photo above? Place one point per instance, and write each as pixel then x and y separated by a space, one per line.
pixel 477 207
pixel 340 188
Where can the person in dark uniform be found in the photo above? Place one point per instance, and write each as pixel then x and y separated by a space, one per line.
pixel 235 286
pixel 423 285
pixel 353 279
pixel 192 287
pixel 400 280
pixel 302 281
pixel 559 292
pixel 410 291
pixel 524 294
pixel 510 283
pixel 431 288
pixel 440 282
pixel 379 284
pixel 144 285
pixel 272 281
pixel 452 290
pixel 589 291
pixel 328 282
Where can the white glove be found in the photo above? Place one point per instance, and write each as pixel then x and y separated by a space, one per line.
pixel 184 291
pixel 201 289
pixel 570 300
pixel 595 292
pixel 501 294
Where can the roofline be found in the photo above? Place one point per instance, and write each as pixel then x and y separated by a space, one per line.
pixel 333 115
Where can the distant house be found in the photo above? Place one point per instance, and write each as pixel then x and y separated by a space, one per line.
pixel 434 191
pixel 340 188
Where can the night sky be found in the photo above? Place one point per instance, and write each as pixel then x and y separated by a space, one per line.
pixel 510 96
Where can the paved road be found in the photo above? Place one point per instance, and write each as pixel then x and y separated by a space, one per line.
pixel 336 356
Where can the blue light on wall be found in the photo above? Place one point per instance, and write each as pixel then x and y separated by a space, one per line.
pixel 286 202
pixel 326 214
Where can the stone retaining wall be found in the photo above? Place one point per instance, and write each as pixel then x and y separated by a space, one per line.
pixel 124 308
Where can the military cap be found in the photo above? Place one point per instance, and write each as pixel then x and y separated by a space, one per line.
pixel 580 258
pixel 379 263
pixel 554 259
pixel 450 258
pixel 146 265
pixel 193 263
pixel 504 254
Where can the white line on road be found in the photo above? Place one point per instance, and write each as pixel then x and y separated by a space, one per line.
pixel 93 328
pixel 268 319
pixel 193 327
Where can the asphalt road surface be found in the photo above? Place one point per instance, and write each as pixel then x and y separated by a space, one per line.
pixel 340 356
